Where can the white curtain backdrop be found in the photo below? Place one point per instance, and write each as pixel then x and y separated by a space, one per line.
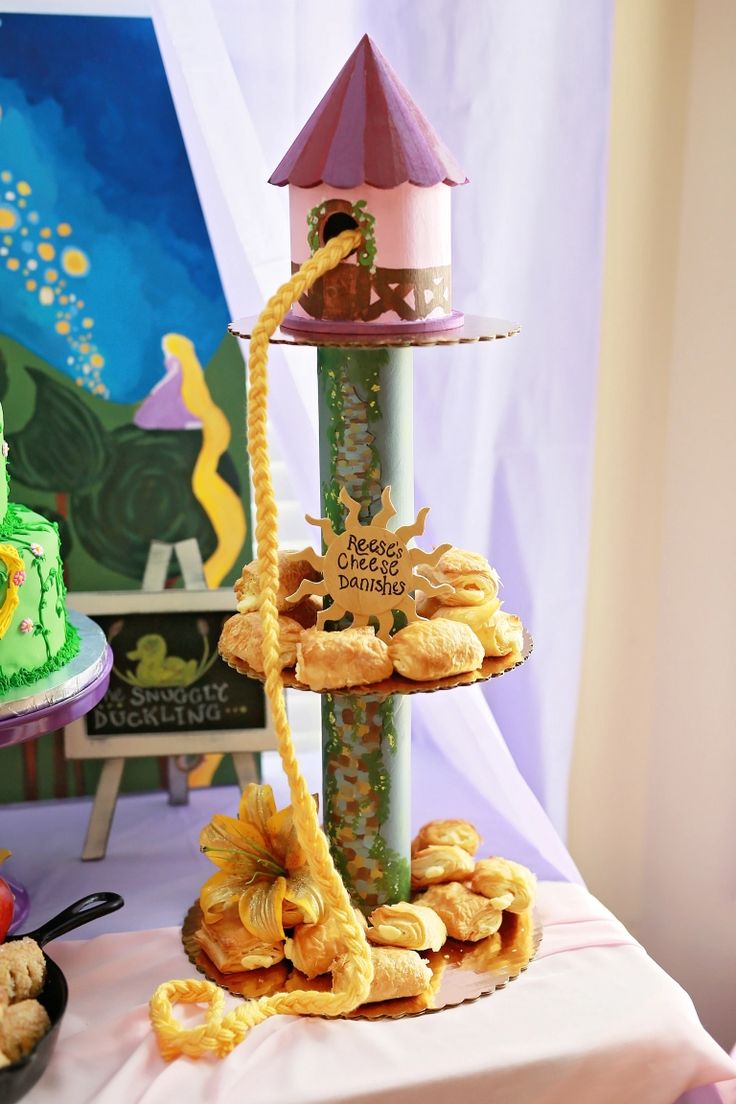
pixel 519 91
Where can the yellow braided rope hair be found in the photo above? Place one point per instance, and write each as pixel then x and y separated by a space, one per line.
pixel 353 972
pixel 15 568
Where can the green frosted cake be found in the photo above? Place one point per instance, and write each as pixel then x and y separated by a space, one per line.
pixel 36 637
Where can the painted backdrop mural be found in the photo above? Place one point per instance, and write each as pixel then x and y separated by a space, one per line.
pixel 123 394
pixel 115 369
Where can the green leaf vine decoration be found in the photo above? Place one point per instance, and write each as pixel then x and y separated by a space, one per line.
pixel 313 218
pixel 40 629
pixel 366 224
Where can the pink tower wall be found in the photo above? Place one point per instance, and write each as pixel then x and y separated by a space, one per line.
pixel 412 227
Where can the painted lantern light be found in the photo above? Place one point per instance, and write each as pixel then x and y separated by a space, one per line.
pixel 368 159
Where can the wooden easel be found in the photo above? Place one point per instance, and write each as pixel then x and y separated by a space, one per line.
pixel 246 763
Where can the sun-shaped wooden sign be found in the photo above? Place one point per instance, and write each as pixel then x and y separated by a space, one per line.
pixel 369 571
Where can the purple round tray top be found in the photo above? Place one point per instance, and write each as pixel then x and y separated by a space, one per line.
pixel 63 696
pixel 369 335
pixel 293 323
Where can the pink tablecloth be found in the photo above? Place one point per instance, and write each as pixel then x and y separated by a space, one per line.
pixel 593 1021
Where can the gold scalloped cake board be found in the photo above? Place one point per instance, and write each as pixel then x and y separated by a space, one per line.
pixel 492 667
pixel 461 972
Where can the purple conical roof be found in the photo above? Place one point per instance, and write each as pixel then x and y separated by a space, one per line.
pixel 367 130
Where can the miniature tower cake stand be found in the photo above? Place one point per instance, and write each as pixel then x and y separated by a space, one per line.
pixel 365 405
pixel 368 160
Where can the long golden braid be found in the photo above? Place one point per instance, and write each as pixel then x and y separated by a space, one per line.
pixel 353 974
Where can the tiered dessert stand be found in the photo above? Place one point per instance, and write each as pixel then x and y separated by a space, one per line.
pixel 60 698
pixel 368 161
pixel 366 444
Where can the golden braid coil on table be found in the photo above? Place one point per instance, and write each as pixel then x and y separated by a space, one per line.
pixel 353 975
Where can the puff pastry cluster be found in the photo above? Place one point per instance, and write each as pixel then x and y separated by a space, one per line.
pixel 333 660
pixel 233 949
pixel 469 897
pixel 299 946
pixel 23 1019
pixel 292 574
pixel 264 922
pixel 451 638
pixel 474 602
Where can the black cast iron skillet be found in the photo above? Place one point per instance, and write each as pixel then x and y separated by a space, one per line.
pixel 16 1080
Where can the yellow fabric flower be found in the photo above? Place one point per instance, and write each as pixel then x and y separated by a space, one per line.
pixel 262 868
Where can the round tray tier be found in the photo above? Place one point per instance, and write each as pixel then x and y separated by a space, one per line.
pixel 492 667
pixel 65 695
pixel 473 329
pixel 461 972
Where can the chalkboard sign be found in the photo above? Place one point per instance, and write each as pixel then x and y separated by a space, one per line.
pixel 170 693
pixel 168 677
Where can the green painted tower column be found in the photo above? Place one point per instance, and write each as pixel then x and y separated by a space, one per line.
pixel 367 443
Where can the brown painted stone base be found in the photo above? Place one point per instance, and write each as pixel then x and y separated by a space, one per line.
pixel 352 292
